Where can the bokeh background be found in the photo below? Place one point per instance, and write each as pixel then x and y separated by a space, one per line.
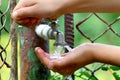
pixel 99 27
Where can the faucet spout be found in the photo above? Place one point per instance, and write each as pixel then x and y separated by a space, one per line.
pixel 59 39
pixel 50 31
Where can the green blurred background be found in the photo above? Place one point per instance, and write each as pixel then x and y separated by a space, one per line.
pixel 92 27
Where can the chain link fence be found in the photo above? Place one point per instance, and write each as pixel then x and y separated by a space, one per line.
pixel 89 27
pixel 100 28
pixel 5 38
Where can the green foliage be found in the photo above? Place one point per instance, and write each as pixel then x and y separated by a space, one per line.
pixel 116 76
pixel 85 73
pixel 56 76
pixel 105 68
pixel 115 68
pixel 112 67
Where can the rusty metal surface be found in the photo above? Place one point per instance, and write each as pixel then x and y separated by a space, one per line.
pixel 69 32
pixel 14 45
pixel 31 67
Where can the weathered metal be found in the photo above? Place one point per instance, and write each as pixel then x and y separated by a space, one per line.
pixel 14 51
pixel 31 67
pixel 69 32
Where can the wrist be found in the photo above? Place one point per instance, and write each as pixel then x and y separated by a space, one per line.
pixel 98 51
pixel 89 52
pixel 62 7
pixel 85 54
pixel 56 9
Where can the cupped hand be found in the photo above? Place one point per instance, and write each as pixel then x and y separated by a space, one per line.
pixel 68 63
pixel 59 65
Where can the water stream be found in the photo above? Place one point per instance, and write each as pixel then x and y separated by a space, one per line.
pixel 58 51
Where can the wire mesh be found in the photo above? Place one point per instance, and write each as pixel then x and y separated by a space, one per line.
pixel 81 27
pixel 109 26
pixel 5 38
pixel 3 30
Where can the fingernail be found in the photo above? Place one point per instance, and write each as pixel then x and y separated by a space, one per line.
pixel 15 14
pixel 36 49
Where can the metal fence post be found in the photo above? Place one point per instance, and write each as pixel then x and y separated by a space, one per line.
pixel 14 51
pixel 69 32
pixel 31 67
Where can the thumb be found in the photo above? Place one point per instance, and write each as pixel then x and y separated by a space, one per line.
pixel 44 58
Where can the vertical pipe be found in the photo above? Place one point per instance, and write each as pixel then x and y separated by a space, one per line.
pixel 14 67
pixel 69 31
pixel 31 67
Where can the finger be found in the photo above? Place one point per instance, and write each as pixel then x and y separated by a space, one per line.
pixel 35 21
pixel 18 6
pixel 23 3
pixel 44 58
pixel 24 22
pixel 29 22
pixel 63 55
pixel 24 13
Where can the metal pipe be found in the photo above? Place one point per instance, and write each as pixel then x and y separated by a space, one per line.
pixel 31 67
pixel 69 35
